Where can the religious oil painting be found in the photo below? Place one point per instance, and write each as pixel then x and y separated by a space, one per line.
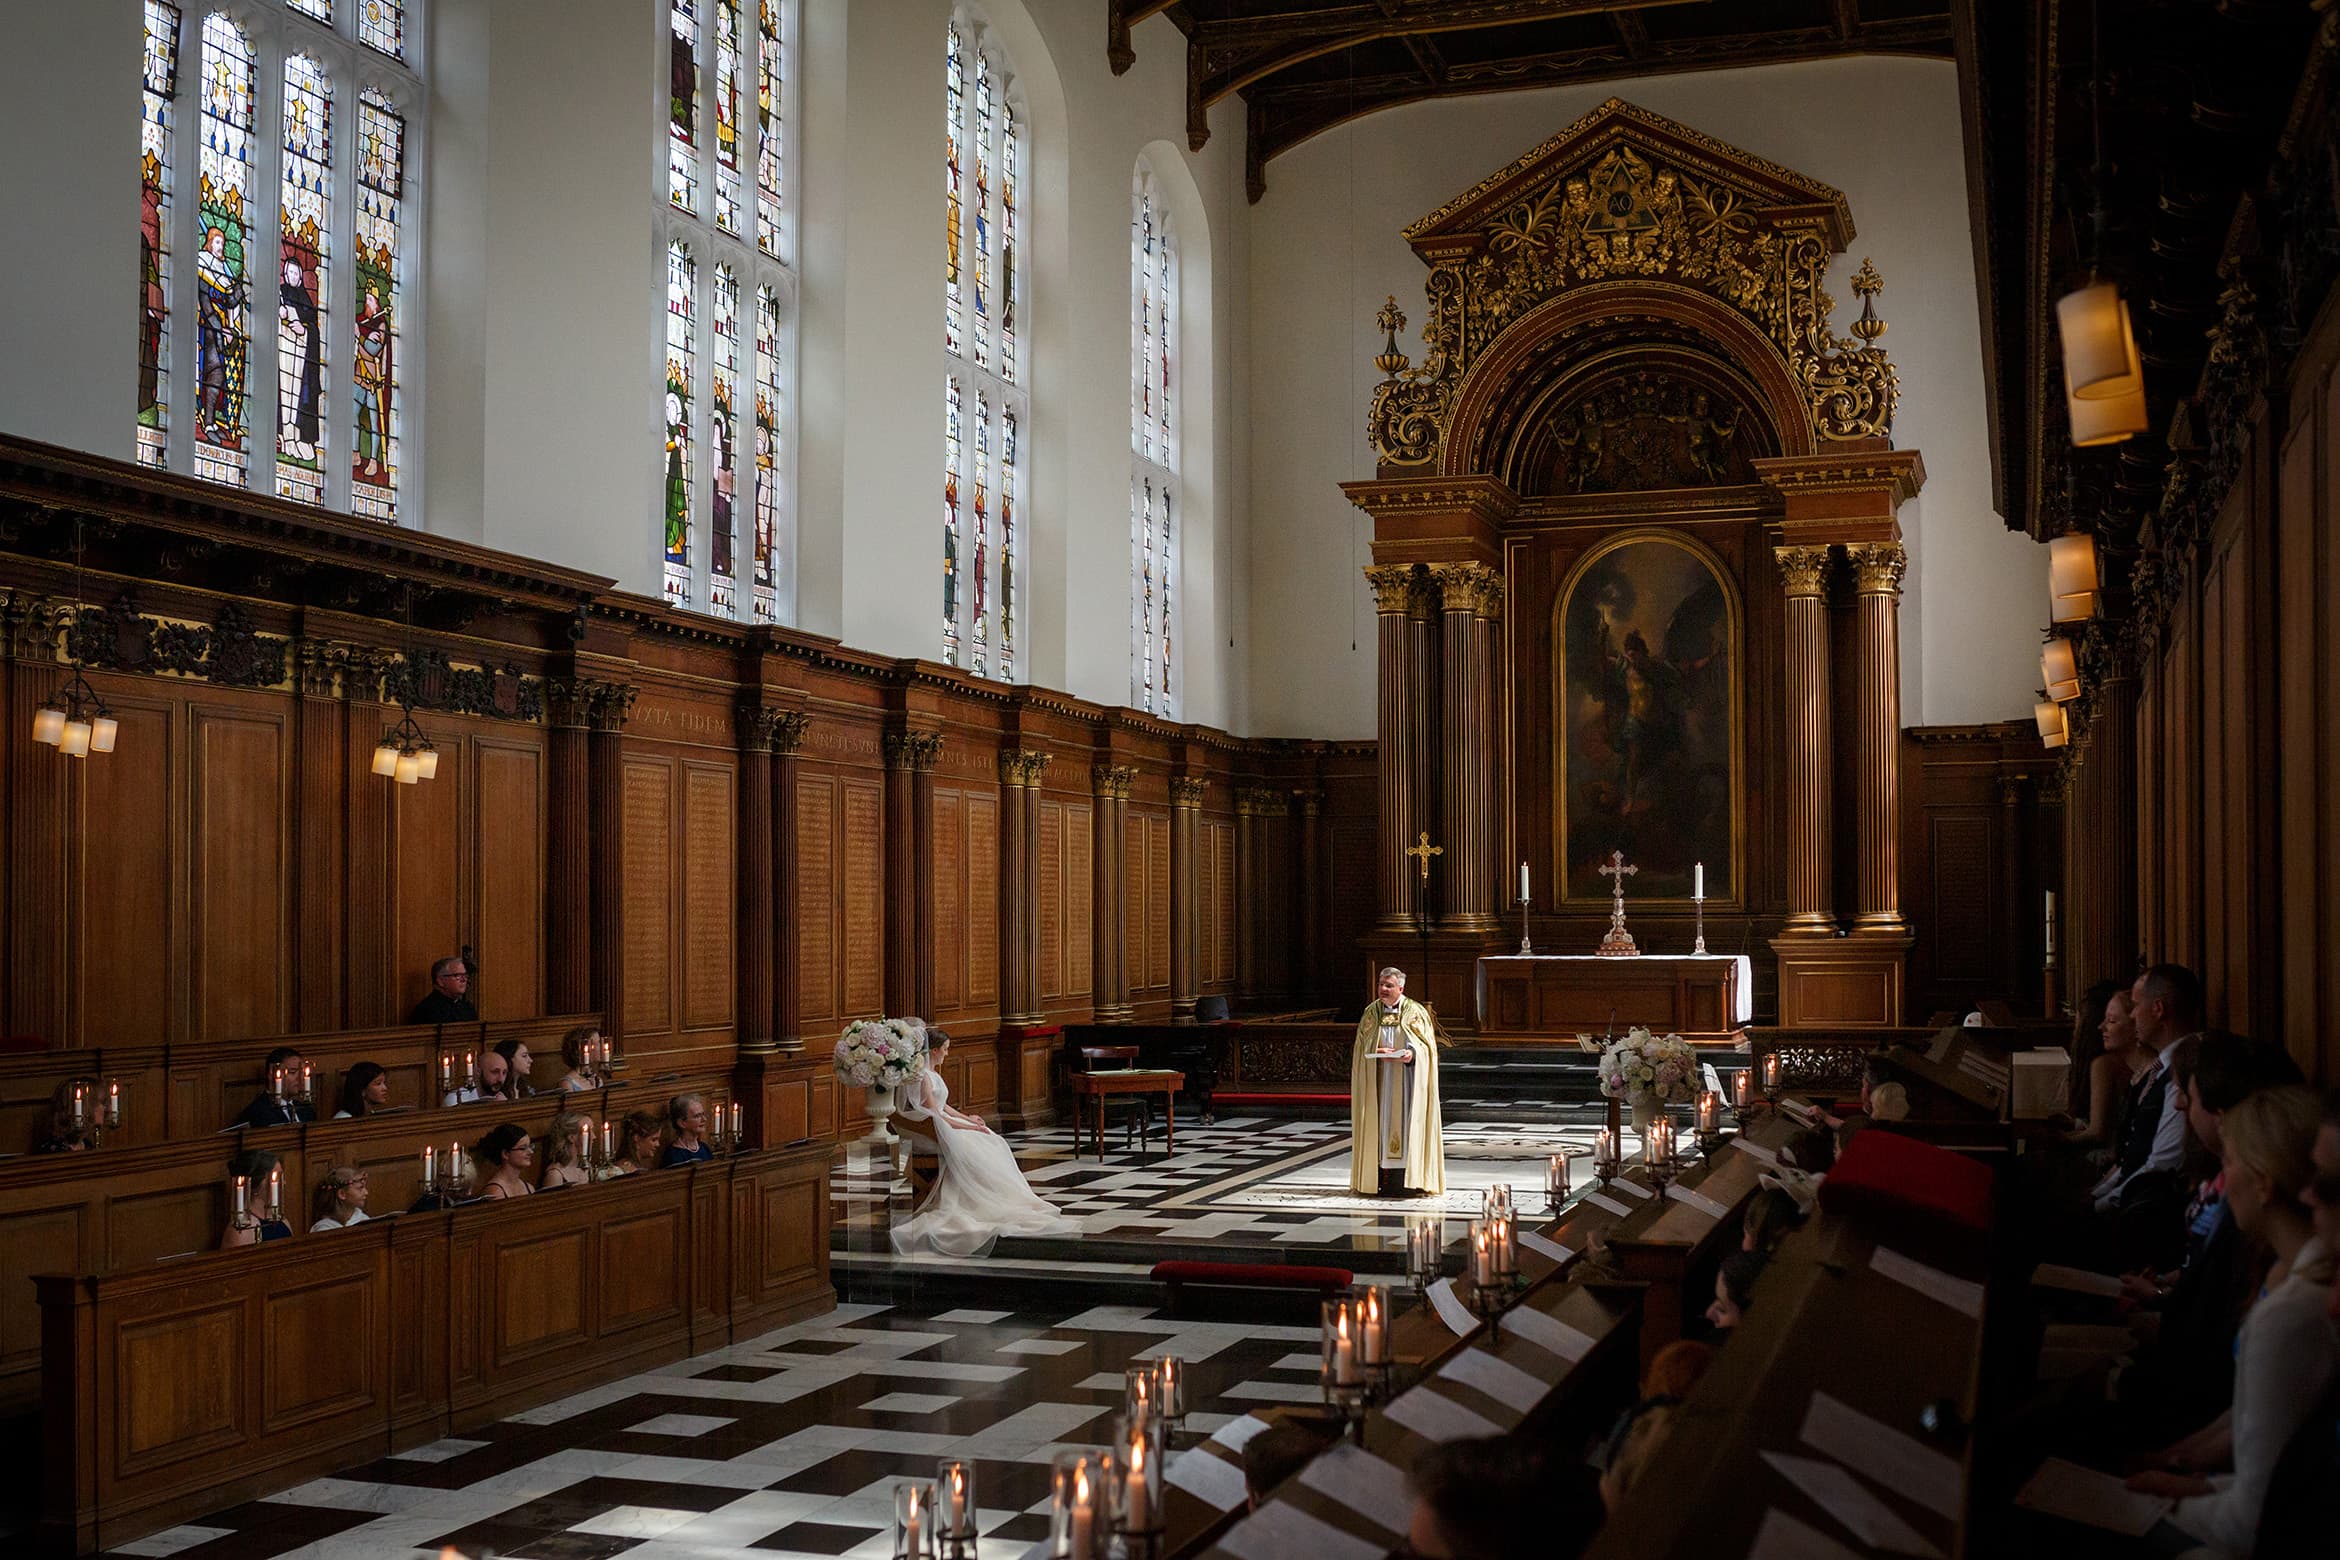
pixel 1647 724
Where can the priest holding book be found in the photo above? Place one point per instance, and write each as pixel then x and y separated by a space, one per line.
pixel 1396 1147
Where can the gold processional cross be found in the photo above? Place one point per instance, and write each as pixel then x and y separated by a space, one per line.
pixel 1422 851
pixel 1619 943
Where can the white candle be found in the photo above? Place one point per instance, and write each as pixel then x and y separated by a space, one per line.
pixel 1770 1074
pixel 608 1143
pixel 1698 881
pixel 113 1103
pixel 1740 1095
pixel 1604 1149
pixel 913 1525
pixel 243 1197
pixel 958 1521
pixel 308 1080
pixel 1501 1247
pixel 1556 1177
pixel 1172 1376
pixel 276 1082
pixel 736 1118
pixel 1084 1514
pixel 1140 1507
pixel 1524 896
pixel 1707 1104
pixel 470 1070
pixel 1373 1327
pixel 446 1073
pixel 1482 1259
pixel 430 1170
pixel 275 1191
pixel 454 1167
pixel 2051 921
pixel 1344 1350
pixel 80 1092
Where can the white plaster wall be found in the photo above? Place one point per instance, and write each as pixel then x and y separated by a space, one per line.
pixel 1326 251
pixel 69 82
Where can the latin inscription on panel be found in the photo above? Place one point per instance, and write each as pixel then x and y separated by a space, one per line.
pixel 1079 892
pixel 816 901
pixel 1051 846
pixel 1158 903
pixel 864 897
pixel 982 899
pixel 649 898
pixel 710 868
pixel 950 890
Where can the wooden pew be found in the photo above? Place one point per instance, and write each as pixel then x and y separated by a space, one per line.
pixel 28 1088
pixel 172 1389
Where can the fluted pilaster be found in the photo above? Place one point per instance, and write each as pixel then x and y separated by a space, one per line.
pixel 1470 595
pixel 1110 913
pixel 1811 844
pixel 1877 571
pixel 1186 799
pixel 910 761
pixel 787 1010
pixel 757 948
pixel 1393 589
pixel 1019 881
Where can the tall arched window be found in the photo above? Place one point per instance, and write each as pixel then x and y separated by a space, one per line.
pixel 727 272
pixel 1153 450
pixel 294 292
pixel 985 396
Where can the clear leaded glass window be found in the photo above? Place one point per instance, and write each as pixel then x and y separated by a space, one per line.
pixel 1153 482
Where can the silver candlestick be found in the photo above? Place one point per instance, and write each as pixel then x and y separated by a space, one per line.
pixel 1698 902
pixel 1526 947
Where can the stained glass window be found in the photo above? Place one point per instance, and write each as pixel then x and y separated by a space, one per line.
pixel 953 448
pixel 1153 533
pixel 682 311
pixel 223 318
pixel 305 220
pixel 767 597
pixel 381 157
pixel 727 181
pixel 382 25
pixel 682 110
pixel 322 10
pixel 770 75
pixel 983 147
pixel 723 443
pixel 156 111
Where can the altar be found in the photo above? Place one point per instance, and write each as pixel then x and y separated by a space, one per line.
pixel 1701 997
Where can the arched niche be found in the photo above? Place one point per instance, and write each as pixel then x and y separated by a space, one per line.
pixel 1648 650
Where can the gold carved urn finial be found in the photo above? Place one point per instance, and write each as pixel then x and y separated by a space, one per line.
pixel 1390 321
pixel 1866 284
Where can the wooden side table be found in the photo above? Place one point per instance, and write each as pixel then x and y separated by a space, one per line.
pixel 1101 1086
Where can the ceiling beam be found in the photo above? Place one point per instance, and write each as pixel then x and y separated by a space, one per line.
pixel 1244 50
pixel 1282 116
pixel 1630 32
pixel 1120 17
pixel 1848 18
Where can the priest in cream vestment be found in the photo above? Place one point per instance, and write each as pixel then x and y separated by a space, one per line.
pixel 1395 1127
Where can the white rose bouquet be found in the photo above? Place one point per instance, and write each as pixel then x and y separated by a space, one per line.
pixel 881 1053
pixel 1660 1068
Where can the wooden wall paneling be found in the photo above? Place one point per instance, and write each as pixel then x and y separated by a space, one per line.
pixel 239 884
pixel 129 876
pixel 2186 789
pixel 652 824
pixel 321 785
pixel 1348 906
pixel 2152 843
pixel 1157 938
pixel 2300 698
pixel 434 859
pixel 948 955
pixel 710 882
pixel 982 901
pixel 1219 854
pixel 861 859
pixel 39 782
pixel 2319 643
pixel 509 829
pixel 818 903
pixel 1133 904
pixel 1050 910
pixel 1079 897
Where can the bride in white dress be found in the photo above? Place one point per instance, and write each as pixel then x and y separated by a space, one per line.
pixel 980 1194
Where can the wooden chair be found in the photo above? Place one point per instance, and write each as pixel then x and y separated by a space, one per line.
pixel 1137 1109
pixel 921 1157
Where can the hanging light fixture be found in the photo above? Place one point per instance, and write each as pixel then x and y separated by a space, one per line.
pixel 2054 730
pixel 74 720
pixel 405 755
pixel 2104 379
pixel 2059 668
pixel 2072 578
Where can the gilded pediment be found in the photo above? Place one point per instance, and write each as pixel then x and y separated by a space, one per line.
pixel 1625 195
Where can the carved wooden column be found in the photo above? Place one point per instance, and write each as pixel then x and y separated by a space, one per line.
pixel 1397 697
pixel 910 759
pixel 1036 1008
pixel 568 867
pixel 1186 799
pixel 39 791
pixel 1247 892
pixel 1877 571
pixel 787 1022
pixel 758 951
pixel 1811 842
pixel 1109 911
pixel 1422 632
pixel 321 812
pixel 1471 596
pixel 1307 874
pixel 611 704
pixel 1019 885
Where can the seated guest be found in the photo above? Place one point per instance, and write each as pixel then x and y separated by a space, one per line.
pixel 1734 1288
pixel 449 1001
pixel 1772 1215
pixel 517 1063
pixel 2101 1047
pixel 365 1090
pixel 1274 1455
pixel 1809 1149
pixel 581 1075
pixel 495 1082
pixel 686 1115
pixel 565 1153
pixel 259 1220
pixel 1495 1498
pixel 340 1201
pixel 1631 1446
pixel 1677 1368
pixel 642 1142
pixel 504 1159
pixel 65 1135
pixel 2165 1006
pixel 282 1067
pixel 2287 1353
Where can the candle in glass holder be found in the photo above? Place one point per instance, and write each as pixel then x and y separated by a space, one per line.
pixel 1170 1386
pixel 1373 1327
pixel 1709 1107
pixel 1741 1092
pixel 113 1102
pixel 954 1499
pixel 1771 1074
pixel 1344 1347
pixel 1072 1513
pixel 1502 1245
pixel 1604 1150
pixel 1137 1390
pixel 913 1521
pixel 1138 1473
pixel 1425 1240
pixel 1556 1179
pixel 1482 1256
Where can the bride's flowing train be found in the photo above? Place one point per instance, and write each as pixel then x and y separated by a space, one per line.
pixel 980 1194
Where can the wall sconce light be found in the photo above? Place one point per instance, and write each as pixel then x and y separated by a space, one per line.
pixel 74 720
pixel 2053 731
pixel 2100 344
pixel 2106 421
pixel 2059 669
pixel 2072 579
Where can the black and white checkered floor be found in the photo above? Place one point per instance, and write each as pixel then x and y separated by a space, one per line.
pixel 786 1445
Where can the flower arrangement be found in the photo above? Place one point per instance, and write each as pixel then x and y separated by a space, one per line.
pixel 1659 1068
pixel 881 1053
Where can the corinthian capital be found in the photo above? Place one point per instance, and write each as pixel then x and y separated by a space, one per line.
pixel 1804 568
pixel 1878 567
pixel 1469 587
pixel 1392 583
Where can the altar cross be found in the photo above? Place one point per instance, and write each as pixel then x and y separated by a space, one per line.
pixel 1618 944
pixel 1422 850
